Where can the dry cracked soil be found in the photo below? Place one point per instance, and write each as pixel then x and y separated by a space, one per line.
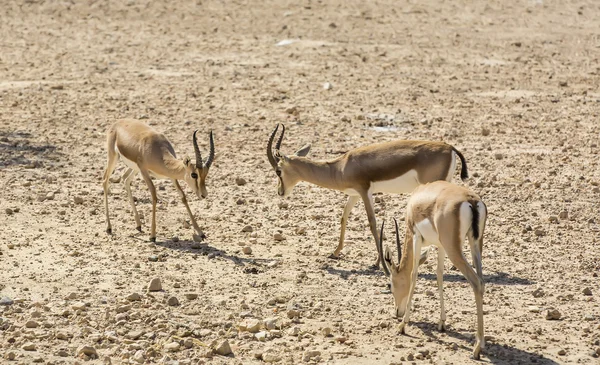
pixel 512 84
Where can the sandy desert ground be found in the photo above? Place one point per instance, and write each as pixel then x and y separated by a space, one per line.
pixel 512 84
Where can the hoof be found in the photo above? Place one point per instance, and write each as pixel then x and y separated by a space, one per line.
pixel 109 230
pixel 442 327
pixel 334 257
pixel 139 228
pixel 402 328
pixel 476 353
pixel 153 239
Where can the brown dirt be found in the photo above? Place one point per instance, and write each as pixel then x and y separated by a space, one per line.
pixel 513 85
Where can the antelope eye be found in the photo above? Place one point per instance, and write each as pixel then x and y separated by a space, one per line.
pixel 278 172
pixel 194 175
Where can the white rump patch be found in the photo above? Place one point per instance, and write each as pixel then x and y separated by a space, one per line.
pixel 466 219
pixel 405 183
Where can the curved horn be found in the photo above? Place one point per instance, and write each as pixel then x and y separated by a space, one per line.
pixel 197 151
pixel 278 145
pixel 386 270
pixel 398 242
pixel 272 159
pixel 211 154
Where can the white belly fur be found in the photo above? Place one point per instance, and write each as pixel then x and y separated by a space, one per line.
pixel 402 184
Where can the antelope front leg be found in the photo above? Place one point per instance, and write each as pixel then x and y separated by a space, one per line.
pixel 152 189
pixel 368 201
pixel 185 202
pixel 110 167
pixel 128 176
pixel 352 200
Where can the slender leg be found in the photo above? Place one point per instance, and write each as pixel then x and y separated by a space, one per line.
pixel 111 163
pixel 440 282
pixel 417 243
pixel 476 246
pixel 128 177
pixel 185 202
pixel 459 260
pixel 352 200
pixel 152 189
pixel 368 201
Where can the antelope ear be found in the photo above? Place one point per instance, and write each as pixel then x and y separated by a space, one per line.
pixel 186 161
pixel 387 256
pixel 303 151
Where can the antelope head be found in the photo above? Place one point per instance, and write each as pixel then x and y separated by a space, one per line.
pixel 195 175
pixel 283 165
pixel 400 276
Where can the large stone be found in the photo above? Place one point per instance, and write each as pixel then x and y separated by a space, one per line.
pixel 223 348
pixel 87 351
pixel 155 285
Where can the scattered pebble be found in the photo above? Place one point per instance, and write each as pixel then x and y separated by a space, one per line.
pixel 247 250
pixel 28 346
pixel 587 291
pixel 155 285
pixel 278 236
pixel 191 296
pixel 240 181
pixel 134 297
pixel 173 301
pixel 553 315
pixel 222 348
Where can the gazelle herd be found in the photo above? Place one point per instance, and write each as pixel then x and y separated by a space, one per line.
pixel 438 213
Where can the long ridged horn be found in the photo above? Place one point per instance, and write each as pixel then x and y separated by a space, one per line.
pixel 278 145
pixel 197 151
pixel 398 242
pixel 386 270
pixel 211 154
pixel 272 159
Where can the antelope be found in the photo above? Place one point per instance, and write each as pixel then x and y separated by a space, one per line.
pixel 439 214
pixel 145 150
pixel 390 167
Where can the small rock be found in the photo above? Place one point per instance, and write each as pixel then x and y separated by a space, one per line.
pixel 327 86
pixel 28 346
pixel 485 132
pixel 240 181
pixel 172 347
pixel 155 285
pixel 6 301
pixel 139 357
pixel 563 215
pixel 77 200
pixel 309 355
pixel 553 219
pixel 533 309
pixel 247 228
pixel 270 323
pixel 539 232
pixel 196 245
pixel 175 239
pixel 294 331
pixel 87 351
pixel 292 313
pixel 588 317
pixel 498 156
pixel 261 336
pixel 198 238
pixel 78 306
pixel 247 250
pixel 188 343
pixel 538 293
pixel 134 297
pixel 270 357
pixel 10 355
pixel 553 315
pixel 251 325
pixel 222 348
pixel 326 331
pixel 173 301
pixel 562 352
pixel 278 236
pixel 153 258
pixel 300 231
pixel 31 324
pixel 587 291
pixel 50 196
pixel 191 296
pixel 8 211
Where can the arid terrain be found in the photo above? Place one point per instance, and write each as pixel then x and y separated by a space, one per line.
pixel 514 85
